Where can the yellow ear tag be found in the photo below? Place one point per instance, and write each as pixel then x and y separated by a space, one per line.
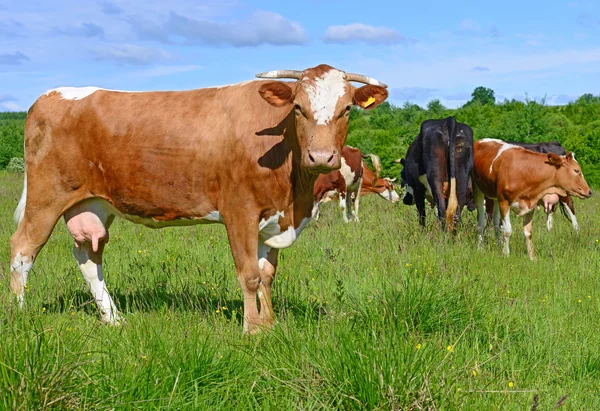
pixel 369 101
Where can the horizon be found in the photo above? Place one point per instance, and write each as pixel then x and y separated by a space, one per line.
pixel 422 55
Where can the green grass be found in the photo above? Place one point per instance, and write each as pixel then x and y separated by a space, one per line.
pixel 376 315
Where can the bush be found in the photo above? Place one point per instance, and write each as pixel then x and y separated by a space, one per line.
pixel 16 165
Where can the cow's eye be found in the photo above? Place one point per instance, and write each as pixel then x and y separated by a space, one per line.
pixel 298 109
pixel 577 171
pixel 348 108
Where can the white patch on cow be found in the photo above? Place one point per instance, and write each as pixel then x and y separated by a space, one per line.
pixel 520 208
pixel 408 190
pixel 571 217
pixel 263 251
pixel 22 265
pixel 74 93
pixel 271 235
pixel 20 210
pixel 423 180
pixel 507 231
pixel 347 173
pixel 94 276
pixel 390 195
pixel 324 94
pixel 503 147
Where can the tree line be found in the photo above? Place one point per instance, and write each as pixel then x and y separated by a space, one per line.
pixel 388 130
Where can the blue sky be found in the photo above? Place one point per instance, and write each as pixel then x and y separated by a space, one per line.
pixel 422 50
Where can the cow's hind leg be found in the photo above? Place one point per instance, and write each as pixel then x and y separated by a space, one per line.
pixel 506 227
pixel 25 244
pixel 88 223
pixel 479 200
pixel 496 220
pixel 420 204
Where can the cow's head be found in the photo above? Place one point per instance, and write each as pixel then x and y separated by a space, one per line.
pixel 569 176
pixel 388 190
pixel 321 100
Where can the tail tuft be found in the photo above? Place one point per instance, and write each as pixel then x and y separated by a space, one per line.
pixel 20 211
pixel 452 201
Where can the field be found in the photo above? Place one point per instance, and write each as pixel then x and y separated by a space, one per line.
pixel 376 315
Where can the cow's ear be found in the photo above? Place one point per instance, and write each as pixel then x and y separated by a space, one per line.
pixel 276 93
pixel 570 156
pixel 369 97
pixel 555 160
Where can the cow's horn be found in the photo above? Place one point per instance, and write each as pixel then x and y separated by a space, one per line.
pixel 364 79
pixel 296 74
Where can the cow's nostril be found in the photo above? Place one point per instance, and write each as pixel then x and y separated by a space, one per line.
pixel 330 158
pixel 310 157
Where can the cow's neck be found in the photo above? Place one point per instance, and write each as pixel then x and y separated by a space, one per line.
pixel 302 181
pixel 545 184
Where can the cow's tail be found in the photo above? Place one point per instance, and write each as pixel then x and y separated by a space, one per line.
pixel 452 200
pixel 20 211
pixel 376 164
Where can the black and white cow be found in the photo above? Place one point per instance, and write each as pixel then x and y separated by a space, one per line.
pixel 437 167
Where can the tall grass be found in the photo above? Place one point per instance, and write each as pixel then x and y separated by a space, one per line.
pixel 376 315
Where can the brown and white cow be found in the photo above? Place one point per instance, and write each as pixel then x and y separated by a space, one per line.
pixel 345 183
pixel 383 186
pixel 550 201
pixel 518 179
pixel 245 155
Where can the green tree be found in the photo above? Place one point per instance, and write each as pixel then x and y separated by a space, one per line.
pixel 482 95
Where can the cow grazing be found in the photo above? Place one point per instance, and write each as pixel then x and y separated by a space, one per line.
pixel 437 167
pixel 518 179
pixel 383 186
pixel 245 155
pixel 344 183
pixel 548 202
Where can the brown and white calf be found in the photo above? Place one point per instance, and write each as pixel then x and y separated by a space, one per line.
pixel 550 201
pixel 345 183
pixel 518 179
pixel 245 155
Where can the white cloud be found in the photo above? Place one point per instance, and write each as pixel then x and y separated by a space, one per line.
pixel 357 32
pixel 131 54
pixel 10 106
pixel 83 30
pixel 261 27
pixel 13 59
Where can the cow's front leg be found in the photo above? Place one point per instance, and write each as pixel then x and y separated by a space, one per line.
pixel 267 263
pixel 528 233
pixel 244 247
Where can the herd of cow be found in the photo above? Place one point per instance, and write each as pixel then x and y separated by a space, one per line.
pixel 258 157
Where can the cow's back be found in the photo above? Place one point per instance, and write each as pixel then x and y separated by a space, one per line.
pixel 174 150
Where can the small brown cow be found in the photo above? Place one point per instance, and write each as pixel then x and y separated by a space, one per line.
pixel 518 179
pixel 345 183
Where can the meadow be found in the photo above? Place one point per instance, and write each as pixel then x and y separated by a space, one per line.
pixel 376 315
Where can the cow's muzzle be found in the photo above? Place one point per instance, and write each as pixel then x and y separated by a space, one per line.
pixel 323 161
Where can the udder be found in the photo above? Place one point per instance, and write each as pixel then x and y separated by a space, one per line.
pixel 549 201
pixel 85 226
